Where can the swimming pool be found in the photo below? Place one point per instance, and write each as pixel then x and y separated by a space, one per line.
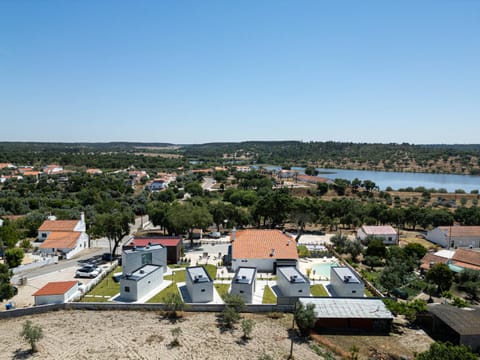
pixel 323 269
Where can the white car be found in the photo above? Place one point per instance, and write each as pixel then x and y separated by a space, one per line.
pixel 88 271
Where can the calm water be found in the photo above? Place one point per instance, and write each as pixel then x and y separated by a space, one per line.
pixel 323 269
pixel 398 180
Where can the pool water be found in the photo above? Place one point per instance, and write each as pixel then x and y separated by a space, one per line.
pixel 323 269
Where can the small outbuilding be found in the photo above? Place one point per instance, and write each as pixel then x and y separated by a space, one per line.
pixel 385 232
pixel 244 283
pixel 350 315
pixel 199 284
pixel 292 282
pixel 137 284
pixel 460 326
pixel 173 244
pixel 56 292
pixel 455 236
pixel 345 282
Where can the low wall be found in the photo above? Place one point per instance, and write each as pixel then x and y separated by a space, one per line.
pixel 102 306
pixel 35 265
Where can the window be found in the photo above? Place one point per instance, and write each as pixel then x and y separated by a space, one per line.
pixel 127 289
pixel 44 235
pixel 300 290
pixel 146 258
pixel 241 291
pixel 203 290
pixel 354 291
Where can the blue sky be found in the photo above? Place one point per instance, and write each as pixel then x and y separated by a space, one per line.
pixel 200 71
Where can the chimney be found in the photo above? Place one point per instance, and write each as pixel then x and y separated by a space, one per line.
pixel 234 234
pixel 272 253
pixel 82 217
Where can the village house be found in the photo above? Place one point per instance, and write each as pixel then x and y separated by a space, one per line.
pixel 173 244
pixel 310 179
pixel 56 292
pixel 63 237
pixel 136 284
pixel 292 282
pixel 385 232
pixel 345 283
pixel 53 169
pixel 199 284
pixel 265 250
pixel 157 185
pixel 244 283
pixel 94 172
pixel 456 236
pixel 135 258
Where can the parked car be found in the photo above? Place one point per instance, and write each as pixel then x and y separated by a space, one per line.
pixel 214 235
pixel 89 271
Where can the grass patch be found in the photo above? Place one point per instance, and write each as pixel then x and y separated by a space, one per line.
pixel 178 276
pixel 222 289
pixel 318 290
pixel 106 287
pixel 212 271
pixel 160 297
pixel 268 296
pixel 368 293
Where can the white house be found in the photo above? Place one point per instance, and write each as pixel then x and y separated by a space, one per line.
pixel 53 169
pixel 264 250
pixel 345 283
pixel 244 283
pixel 199 284
pixel 157 185
pixel 136 257
pixel 291 282
pixel 56 292
pixel 455 236
pixel 67 237
pixel 385 232
pixel 144 280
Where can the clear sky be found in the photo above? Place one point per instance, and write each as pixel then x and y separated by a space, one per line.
pixel 234 70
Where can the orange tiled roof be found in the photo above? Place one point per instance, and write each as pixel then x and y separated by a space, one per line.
pixel 58 225
pixel 467 258
pixel 258 244
pixel 461 231
pixel 94 171
pixel 55 288
pixel 5 165
pixel 61 240
pixel 29 172
pixel 431 258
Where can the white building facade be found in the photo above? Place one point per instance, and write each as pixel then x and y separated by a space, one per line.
pixel 199 284
pixel 292 282
pixel 345 283
pixel 386 233
pixel 244 283
pixel 141 282
pixel 135 258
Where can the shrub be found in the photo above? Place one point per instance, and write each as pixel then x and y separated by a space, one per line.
pixel 305 317
pixel 247 327
pixel 32 334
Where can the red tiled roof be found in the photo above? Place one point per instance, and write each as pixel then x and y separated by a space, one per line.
pixel 467 259
pixel 461 231
pixel 258 244
pixel 431 258
pixel 61 240
pixel 378 230
pixel 141 242
pixel 55 288
pixel 58 225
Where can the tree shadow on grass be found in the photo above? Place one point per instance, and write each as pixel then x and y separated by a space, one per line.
pixel 21 354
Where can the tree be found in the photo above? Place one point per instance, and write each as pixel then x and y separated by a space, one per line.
pixel 176 332
pixel 233 305
pixel 377 248
pixel 440 275
pixel 32 334
pixel 14 257
pixel 6 289
pixel 247 327
pixel 415 250
pixel 8 235
pixel 354 248
pixel 174 303
pixel 114 226
pixel 305 317
pixel 447 351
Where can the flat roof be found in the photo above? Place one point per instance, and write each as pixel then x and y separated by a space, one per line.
pixel 198 274
pixel 345 274
pixel 357 308
pixel 144 249
pixel 292 274
pixel 245 275
pixel 140 273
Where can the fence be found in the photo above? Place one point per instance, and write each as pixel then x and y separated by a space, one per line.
pixel 136 307
pixel 36 264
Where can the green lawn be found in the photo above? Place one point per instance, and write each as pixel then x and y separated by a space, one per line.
pixel 318 290
pixel 222 289
pixel 268 296
pixel 212 271
pixel 160 297
pixel 178 276
pixel 107 287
